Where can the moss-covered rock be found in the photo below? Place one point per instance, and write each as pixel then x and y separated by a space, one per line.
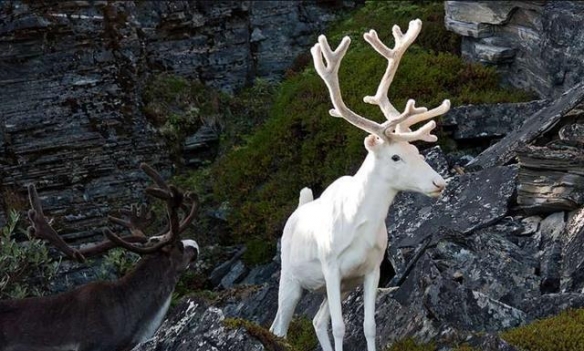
pixel 564 332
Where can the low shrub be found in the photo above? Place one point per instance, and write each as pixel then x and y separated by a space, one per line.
pixel 25 267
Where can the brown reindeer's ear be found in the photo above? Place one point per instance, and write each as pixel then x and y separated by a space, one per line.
pixel 372 142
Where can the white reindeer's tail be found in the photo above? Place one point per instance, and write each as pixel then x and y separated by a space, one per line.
pixel 305 196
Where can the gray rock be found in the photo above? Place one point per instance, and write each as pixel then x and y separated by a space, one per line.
pixel 194 325
pixel 573 260
pixel 536 45
pixel 470 201
pixel 551 304
pixel 466 309
pixel 490 342
pixel 225 268
pixel 489 121
pixel 237 272
pixel 572 134
pixel 436 159
pixel 72 75
pixel 261 274
pixel 200 146
pixel 489 263
pixel 536 125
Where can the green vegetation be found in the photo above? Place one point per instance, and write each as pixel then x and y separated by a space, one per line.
pixel 178 107
pixel 302 145
pixel 410 345
pixel 301 336
pixel 269 340
pixel 120 260
pixel 564 332
pixel 26 268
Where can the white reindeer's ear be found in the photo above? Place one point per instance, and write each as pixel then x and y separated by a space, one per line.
pixel 372 142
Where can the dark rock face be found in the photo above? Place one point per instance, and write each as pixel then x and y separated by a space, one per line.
pixel 535 126
pixel 489 121
pixel 71 75
pixel 71 122
pixel 470 201
pixel 537 45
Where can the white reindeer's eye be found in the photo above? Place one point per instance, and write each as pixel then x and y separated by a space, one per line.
pixel 395 158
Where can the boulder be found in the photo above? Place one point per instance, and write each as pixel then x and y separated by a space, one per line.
pixel 573 261
pixel 196 325
pixel 470 201
pixel 535 126
pixel 488 121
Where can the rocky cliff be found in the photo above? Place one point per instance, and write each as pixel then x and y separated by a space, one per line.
pixel 72 73
pixel 537 45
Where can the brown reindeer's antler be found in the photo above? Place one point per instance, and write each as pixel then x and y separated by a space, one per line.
pixel 41 228
pixel 397 126
pixel 139 218
pixel 174 201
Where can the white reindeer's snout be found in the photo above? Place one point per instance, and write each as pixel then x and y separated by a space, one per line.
pixel 439 185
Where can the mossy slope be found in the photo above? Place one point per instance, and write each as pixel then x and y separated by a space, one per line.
pixel 302 145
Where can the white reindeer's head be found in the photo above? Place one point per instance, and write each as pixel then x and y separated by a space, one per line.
pixel 401 164
pixel 389 143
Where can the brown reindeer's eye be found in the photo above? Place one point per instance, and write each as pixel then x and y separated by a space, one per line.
pixel 395 158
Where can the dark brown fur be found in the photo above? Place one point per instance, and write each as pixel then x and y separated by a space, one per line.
pixel 99 316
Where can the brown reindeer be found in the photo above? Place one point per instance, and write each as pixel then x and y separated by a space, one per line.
pixel 106 315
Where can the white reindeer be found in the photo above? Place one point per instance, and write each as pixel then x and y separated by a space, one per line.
pixel 337 242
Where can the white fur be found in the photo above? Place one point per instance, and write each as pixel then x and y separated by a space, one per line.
pixel 338 241
pixel 191 243
pixel 152 325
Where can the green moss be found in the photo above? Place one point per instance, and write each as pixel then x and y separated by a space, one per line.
pixel 302 145
pixel 464 348
pixel 258 251
pixel 301 334
pixel 269 340
pixel 177 107
pixel 410 345
pixel 564 332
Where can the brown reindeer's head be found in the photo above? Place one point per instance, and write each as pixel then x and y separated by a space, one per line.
pixel 138 218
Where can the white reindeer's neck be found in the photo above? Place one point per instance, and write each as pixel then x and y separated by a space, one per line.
pixel 374 192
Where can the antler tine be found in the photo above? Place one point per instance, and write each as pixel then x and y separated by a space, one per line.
pixel 155 176
pixel 437 111
pixel 139 219
pixel 330 75
pixel 174 201
pixel 399 129
pixel 192 213
pixel 42 229
pixel 393 56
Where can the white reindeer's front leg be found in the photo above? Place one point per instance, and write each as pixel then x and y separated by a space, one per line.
pixel 332 278
pixel 370 284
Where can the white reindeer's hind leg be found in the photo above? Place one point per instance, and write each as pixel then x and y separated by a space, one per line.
pixel 369 293
pixel 321 323
pixel 289 293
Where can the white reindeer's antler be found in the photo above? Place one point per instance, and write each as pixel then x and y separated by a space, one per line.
pixel 397 126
